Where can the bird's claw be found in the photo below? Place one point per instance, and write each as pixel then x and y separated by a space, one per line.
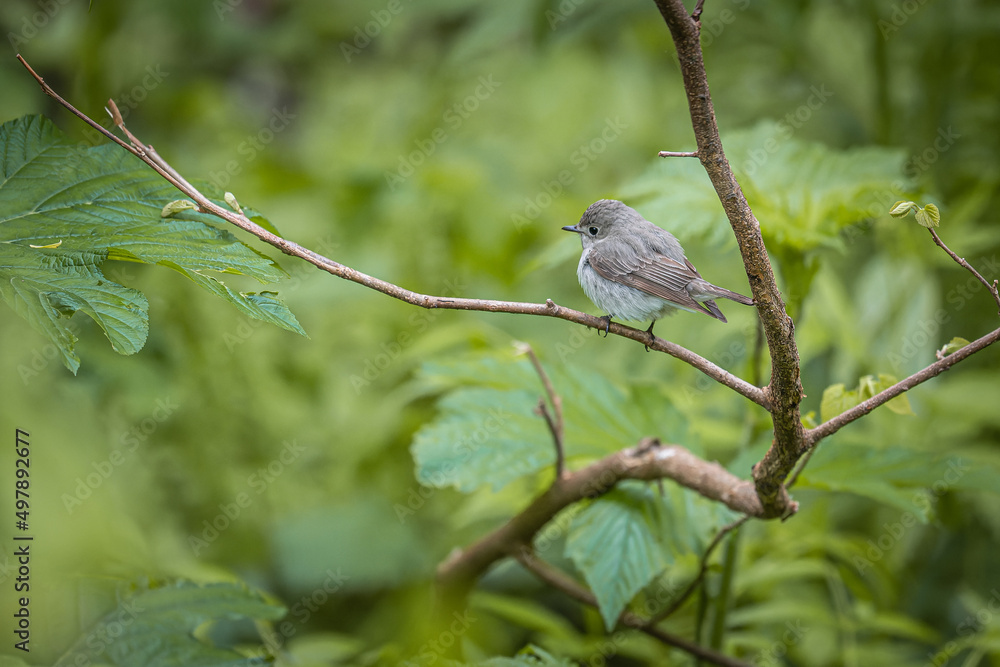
pixel 607 325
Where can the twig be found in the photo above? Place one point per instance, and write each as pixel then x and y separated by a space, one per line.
pixel 827 428
pixel 784 390
pixel 676 604
pixel 555 425
pixel 642 462
pixel 961 261
pixel 547 309
pixel 678 154
pixel 560 581
pixel 696 14
pixel 800 466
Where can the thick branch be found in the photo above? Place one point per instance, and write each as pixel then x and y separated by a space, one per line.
pixel 560 581
pixel 548 309
pixel 814 435
pixel 644 461
pixel 785 389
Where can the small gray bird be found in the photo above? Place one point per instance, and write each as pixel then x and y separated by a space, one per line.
pixel 633 270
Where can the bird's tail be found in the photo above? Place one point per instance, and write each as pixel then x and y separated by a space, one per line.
pixel 708 289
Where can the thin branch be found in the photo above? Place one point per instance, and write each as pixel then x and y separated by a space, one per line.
pixel 678 154
pixel 696 14
pixel 560 581
pixel 827 428
pixel 547 309
pixel 555 425
pixel 543 410
pixel 676 604
pixel 642 462
pixel 785 389
pixel 961 261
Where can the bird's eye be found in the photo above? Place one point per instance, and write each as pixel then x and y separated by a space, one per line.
pixel 593 231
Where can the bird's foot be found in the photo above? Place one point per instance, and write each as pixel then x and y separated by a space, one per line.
pixel 652 338
pixel 607 325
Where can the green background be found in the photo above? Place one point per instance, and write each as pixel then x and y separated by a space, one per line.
pixel 559 104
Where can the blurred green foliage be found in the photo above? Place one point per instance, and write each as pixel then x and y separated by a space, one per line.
pixel 440 145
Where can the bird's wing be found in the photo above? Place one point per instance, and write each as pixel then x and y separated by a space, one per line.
pixel 659 276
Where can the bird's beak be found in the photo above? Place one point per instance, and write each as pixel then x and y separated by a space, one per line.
pixel 569 228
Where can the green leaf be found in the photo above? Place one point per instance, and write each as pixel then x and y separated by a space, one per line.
pixel 837 399
pixel 617 543
pixel 529 656
pixel 490 434
pixel 177 206
pixel 902 208
pixel 803 193
pixel 929 216
pixel 483 436
pixel 952 346
pixel 625 538
pixel 66 209
pixel 156 627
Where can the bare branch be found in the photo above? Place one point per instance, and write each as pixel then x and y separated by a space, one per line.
pixel 678 154
pixel 555 425
pixel 825 429
pixel 961 262
pixel 785 390
pixel 716 541
pixel 560 581
pixel 547 309
pixel 645 461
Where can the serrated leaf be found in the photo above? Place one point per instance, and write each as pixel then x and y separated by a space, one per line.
pixel 483 436
pixel 600 418
pixel 933 214
pixel 804 193
pixel 617 544
pixel 901 208
pixel 101 203
pixel 926 219
pixel 156 627
pixel 625 538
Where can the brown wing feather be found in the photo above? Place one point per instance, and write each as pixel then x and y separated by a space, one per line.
pixel 661 277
